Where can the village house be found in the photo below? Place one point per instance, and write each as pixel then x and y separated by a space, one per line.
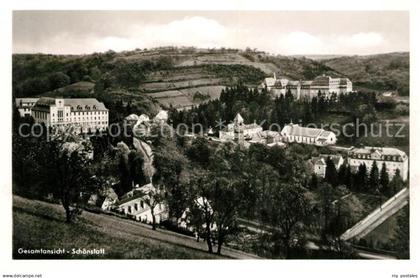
pixel 393 158
pixel 24 106
pixel 142 125
pixel 134 204
pixel 161 117
pixel 320 163
pixel 239 130
pixel 305 135
pixel 105 200
pixel 83 114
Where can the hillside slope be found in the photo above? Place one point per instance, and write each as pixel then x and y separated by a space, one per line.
pixel 187 76
pixel 181 77
pixel 38 224
pixel 381 72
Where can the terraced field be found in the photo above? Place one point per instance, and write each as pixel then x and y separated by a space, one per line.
pixel 227 59
pixel 185 98
pixel 195 77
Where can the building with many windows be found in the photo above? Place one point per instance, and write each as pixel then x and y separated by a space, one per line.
pixel 82 114
pixel 392 158
pixel 307 89
pixel 135 204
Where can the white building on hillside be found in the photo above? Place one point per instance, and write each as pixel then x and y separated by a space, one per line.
pixel 240 129
pixel 24 105
pixel 327 85
pixel 312 136
pixel 393 158
pixel 83 114
pixel 307 89
pixel 134 204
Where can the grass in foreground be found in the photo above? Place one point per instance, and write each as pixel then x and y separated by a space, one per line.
pixel 39 225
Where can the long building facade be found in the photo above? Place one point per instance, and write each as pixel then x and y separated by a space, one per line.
pixel 392 158
pixel 83 114
pixel 308 89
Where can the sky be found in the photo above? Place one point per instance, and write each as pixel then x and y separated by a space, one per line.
pixel 276 32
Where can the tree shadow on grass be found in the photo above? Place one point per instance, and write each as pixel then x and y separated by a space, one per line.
pixel 40 214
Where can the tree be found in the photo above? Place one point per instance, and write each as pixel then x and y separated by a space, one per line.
pixel 384 181
pixel 374 178
pixel 135 168
pixel 153 198
pixel 200 212
pixel 326 198
pixel 172 173
pixel 123 169
pixel 341 175
pixel 58 80
pixel 331 175
pixel 342 219
pixel 285 208
pixel 199 152
pixel 313 185
pixel 225 202
pixel 396 183
pixel 69 178
pixel 361 178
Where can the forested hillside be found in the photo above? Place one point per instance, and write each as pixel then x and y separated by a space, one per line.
pixel 185 77
pixel 381 72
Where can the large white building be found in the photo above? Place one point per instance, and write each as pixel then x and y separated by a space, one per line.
pixel 307 89
pixel 312 136
pixel 83 114
pixel 393 158
pixel 24 105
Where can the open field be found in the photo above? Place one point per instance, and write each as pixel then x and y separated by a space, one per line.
pixel 38 224
pixel 163 86
pixel 227 59
pixel 187 97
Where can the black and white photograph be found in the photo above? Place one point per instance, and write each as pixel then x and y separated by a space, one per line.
pixel 179 134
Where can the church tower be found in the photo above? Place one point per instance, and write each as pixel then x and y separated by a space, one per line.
pixel 238 129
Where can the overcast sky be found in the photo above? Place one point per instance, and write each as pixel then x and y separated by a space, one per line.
pixel 292 32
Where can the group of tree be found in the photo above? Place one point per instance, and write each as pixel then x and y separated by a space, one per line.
pixel 374 181
pixel 259 106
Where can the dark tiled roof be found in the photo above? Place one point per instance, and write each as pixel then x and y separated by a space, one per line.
pixel 76 104
pixel 321 81
pixel 85 104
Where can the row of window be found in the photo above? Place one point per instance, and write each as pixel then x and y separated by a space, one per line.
pixel 383 157
pixel 91 113
pixel 303 139
pixel 135 208
pixel 83 124
pixel 40 115
pixel 79 107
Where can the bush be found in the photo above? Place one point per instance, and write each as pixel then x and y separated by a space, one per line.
pixel 402 109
